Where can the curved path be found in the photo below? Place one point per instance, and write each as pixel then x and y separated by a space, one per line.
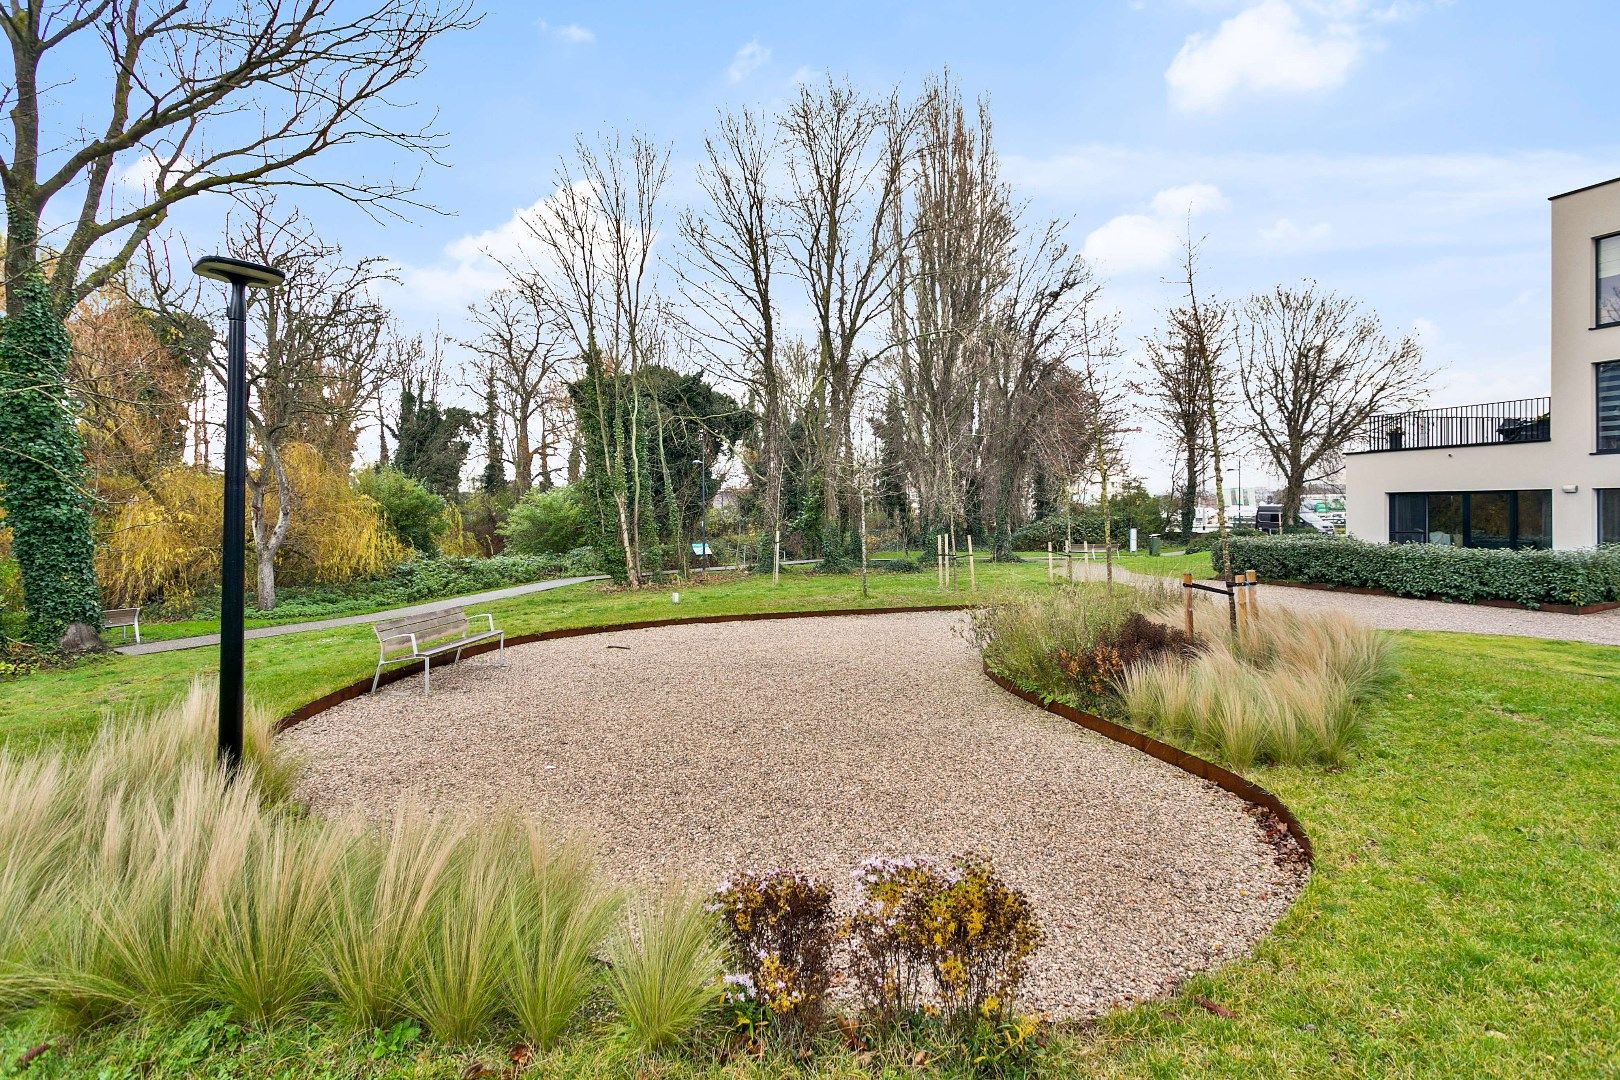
pixel 204 640
pixel 685 751
pixel 1406 613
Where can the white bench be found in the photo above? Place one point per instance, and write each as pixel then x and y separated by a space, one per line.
pixel 422 637
pixel 125 617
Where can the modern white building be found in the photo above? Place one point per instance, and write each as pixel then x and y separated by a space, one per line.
pixel 1534 473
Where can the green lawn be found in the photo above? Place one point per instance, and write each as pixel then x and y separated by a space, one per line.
pixel 1463 919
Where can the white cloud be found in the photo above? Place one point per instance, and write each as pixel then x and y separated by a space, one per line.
pixel 1264 49
pixel 1131 243
pixel 145 173
pixel 1285 233
pixel 1188 199
pixel 571 33
pixel 749 59
pixel 803 75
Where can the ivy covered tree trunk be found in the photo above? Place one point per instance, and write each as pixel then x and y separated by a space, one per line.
pixel 42 466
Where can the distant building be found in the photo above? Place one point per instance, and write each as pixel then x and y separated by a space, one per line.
pixel 1534 473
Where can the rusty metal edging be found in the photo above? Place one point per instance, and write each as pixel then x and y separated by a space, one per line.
pixel 1246 790
pixel 358 689
pixel 1249 792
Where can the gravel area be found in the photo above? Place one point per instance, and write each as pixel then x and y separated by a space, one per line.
pixel 686 751
pixel 1405 613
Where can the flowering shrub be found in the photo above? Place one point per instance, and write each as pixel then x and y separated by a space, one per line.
pixel 782 933
pixel 956 928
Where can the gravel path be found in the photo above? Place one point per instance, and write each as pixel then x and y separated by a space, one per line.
pixel 1403 613
pixel 682 752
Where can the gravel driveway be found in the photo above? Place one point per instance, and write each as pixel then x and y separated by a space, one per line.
pixel 682 752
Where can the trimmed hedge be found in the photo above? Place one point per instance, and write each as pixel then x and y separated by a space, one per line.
pixel 1531 578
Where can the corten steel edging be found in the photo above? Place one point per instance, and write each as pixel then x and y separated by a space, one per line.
pixel 1514 605
pixel 359 689
pixel 1246 790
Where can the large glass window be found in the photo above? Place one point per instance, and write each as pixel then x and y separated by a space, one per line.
pixel 1408 519
pixel 1484 519
pixel 1489 525
pixel 1608 406
pixel 1609 516
pixel 1608 281
pixel 1534 527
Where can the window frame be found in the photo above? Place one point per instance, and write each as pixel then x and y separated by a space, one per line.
pixel 1597 406
pixel 1599 495
pixel 1465 508
pixel 1597 283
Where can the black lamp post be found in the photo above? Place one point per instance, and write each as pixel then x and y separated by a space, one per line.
pixel 703 508
pixel 240 276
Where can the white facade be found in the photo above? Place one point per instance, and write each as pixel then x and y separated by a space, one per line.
pixel 1558 464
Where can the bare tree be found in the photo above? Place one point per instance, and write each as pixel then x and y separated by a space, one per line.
pixel 208 95
pixel 321 363
pixel 1173 385
pixel 596 236
pixel 846 157
pixel 727 275
pixel 1207 329
pixel 947 303
pixel 1314 367
pixel 522 355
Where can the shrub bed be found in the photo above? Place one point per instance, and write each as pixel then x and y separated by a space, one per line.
pixel 1532 578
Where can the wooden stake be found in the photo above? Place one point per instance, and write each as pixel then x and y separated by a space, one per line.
pixel 1069 555
pixel 1187 600
pixel 776 558
pixel 1254 597
pixel 973 578
pixel 1050 571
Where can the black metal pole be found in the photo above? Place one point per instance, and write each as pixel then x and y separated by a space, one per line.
pixel 233 541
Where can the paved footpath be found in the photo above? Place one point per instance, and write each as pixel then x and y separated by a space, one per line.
pixel 359 620
pixel 1402 613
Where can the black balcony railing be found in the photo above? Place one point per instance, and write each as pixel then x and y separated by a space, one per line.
pixel 1526 420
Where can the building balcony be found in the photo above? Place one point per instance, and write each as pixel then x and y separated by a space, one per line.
pixel 1527 420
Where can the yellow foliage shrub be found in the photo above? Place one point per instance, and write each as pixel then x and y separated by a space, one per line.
pixel 336 534
pixel 162 542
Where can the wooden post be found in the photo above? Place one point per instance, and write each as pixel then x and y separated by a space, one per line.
pixel 776 558
pixel 1069 555
pixel 864 592
pixel 1187 600
pixel 973 578
pixel 1241 591
pixel 1254 597
pixel 939 561
pixel 1050 572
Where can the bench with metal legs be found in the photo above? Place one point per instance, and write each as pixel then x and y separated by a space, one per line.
pixel 437 633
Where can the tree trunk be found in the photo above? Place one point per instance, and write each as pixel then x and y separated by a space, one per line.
pixel 267 539
pixel 1189 496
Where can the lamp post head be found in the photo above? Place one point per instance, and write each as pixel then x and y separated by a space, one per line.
pixel 232 271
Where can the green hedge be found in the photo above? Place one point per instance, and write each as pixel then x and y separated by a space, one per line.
pixel 1532 578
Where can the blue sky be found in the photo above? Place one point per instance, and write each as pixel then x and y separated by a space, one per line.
pixel 1398 150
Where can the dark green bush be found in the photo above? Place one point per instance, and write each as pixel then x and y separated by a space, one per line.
pixel 1532 578
pixel 413 513
pixel 545 522
pixel 1206 541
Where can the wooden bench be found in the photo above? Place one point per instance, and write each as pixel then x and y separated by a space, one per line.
pixel 422 637
pixel 124 617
